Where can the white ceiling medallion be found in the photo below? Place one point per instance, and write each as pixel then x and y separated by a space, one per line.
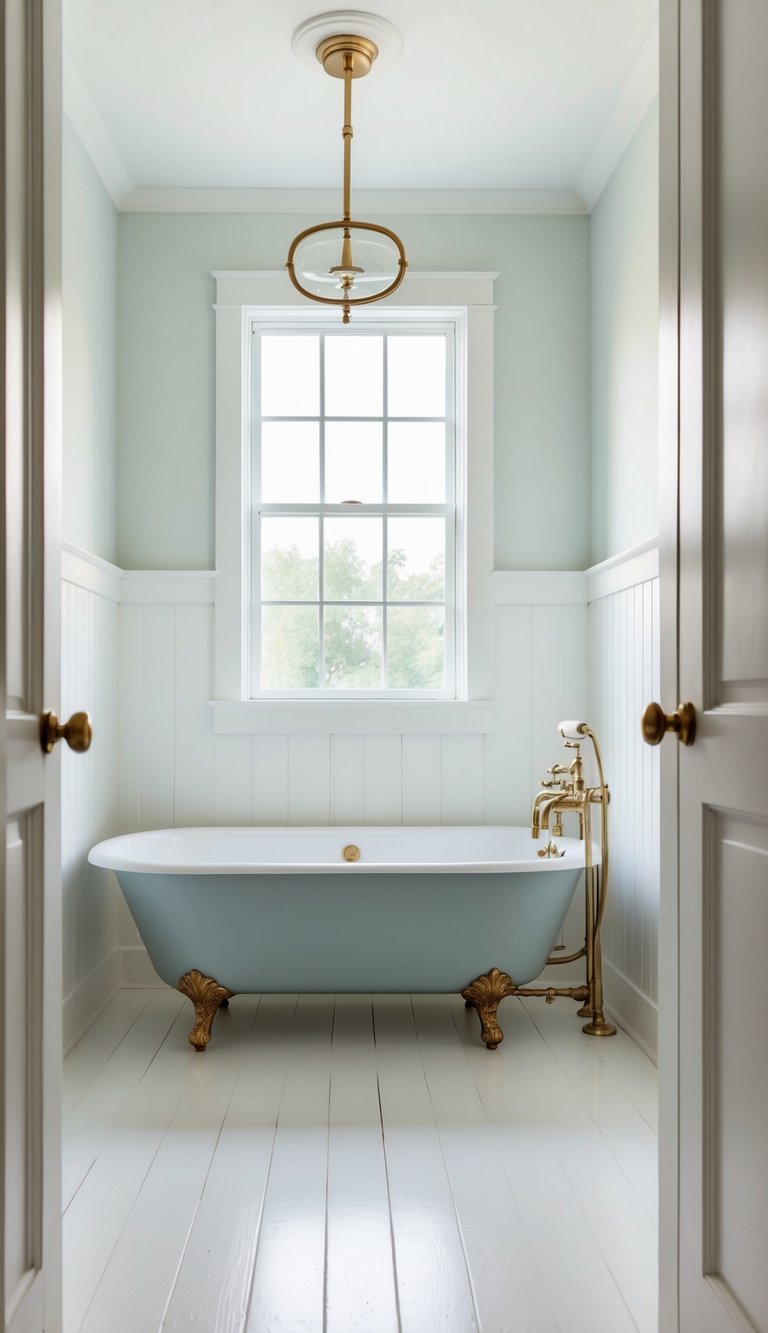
pixel 310 34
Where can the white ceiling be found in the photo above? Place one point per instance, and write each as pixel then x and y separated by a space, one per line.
pixel 488 94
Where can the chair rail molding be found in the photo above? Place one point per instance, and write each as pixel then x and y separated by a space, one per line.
pixel 626 570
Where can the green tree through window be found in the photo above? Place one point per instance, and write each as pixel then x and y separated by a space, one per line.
pixel 353 633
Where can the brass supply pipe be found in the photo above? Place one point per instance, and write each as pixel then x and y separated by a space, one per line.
pixel 597 894
pixel 550 993
pixel 589 876
pixel 569 957
pixel 604 852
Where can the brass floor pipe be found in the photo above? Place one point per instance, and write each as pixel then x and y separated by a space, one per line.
pixel 598 1025
pixel 589 938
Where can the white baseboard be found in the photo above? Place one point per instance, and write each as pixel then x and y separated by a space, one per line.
pixel 631 1009
pixel 624 1003
pixel 136 967
pixel 84 1004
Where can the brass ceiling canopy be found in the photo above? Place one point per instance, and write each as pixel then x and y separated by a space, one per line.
pixel 333 52
pixel 324 263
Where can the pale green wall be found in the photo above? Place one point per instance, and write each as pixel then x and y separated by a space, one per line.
pixel 625 316
pixel 166 374
pixel 89 310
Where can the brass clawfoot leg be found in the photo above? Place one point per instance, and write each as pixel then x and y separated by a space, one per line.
pixel 208 997
pixel 486 994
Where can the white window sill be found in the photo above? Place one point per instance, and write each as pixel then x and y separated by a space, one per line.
pixel 413 717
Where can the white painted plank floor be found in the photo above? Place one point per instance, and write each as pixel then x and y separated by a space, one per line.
pixel 357 1163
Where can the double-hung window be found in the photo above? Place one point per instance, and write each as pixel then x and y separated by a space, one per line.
pixel 354 509
pixel 353 528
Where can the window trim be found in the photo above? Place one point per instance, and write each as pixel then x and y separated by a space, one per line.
pixel 463 298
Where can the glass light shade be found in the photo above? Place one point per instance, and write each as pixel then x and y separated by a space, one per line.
pixel 347 262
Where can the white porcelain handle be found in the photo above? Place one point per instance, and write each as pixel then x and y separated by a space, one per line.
pixel 573 731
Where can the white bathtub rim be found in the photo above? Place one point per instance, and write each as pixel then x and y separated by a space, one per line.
pixel 132 853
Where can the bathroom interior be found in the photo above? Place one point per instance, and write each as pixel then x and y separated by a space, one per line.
pixel 354 1158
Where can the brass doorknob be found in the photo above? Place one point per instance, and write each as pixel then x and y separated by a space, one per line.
pixel 656 723
pixel 77 732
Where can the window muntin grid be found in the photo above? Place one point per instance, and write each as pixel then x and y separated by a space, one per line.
pixel 318 431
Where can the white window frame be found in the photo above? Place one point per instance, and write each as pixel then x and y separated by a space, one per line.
pixel 466 301
pixel 374 323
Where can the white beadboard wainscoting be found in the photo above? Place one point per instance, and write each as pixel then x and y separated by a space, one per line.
pixel 177 769
pixel 92 965
pixel 624 677
pixel 175 762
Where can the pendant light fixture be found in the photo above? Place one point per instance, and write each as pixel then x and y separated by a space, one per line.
pixel 345 263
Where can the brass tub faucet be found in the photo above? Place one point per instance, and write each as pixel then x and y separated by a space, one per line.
pixel 564 791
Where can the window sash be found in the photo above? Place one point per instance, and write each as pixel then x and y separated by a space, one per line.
pixel 384 510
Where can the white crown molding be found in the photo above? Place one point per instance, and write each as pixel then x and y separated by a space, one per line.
pixel 98 143
pixel 367 203
pixel 640 88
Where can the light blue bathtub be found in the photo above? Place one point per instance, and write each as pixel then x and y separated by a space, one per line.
pixel 264 909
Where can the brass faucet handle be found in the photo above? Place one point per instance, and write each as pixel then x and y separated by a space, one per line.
pixel 559 768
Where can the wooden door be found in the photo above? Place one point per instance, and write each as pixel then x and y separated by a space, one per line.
pixel 30 931
pixel 714 1000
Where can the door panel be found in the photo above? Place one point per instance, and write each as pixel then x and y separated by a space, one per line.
pixel 735 1077
pixel 741 34
pixel 16 663
pixel 722 668
pixel 30 927
pixel 23 1204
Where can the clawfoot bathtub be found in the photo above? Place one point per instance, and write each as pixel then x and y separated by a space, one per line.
pixel 228 910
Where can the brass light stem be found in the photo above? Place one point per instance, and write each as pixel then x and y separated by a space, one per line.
pixel 347 133
pixel 347 56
